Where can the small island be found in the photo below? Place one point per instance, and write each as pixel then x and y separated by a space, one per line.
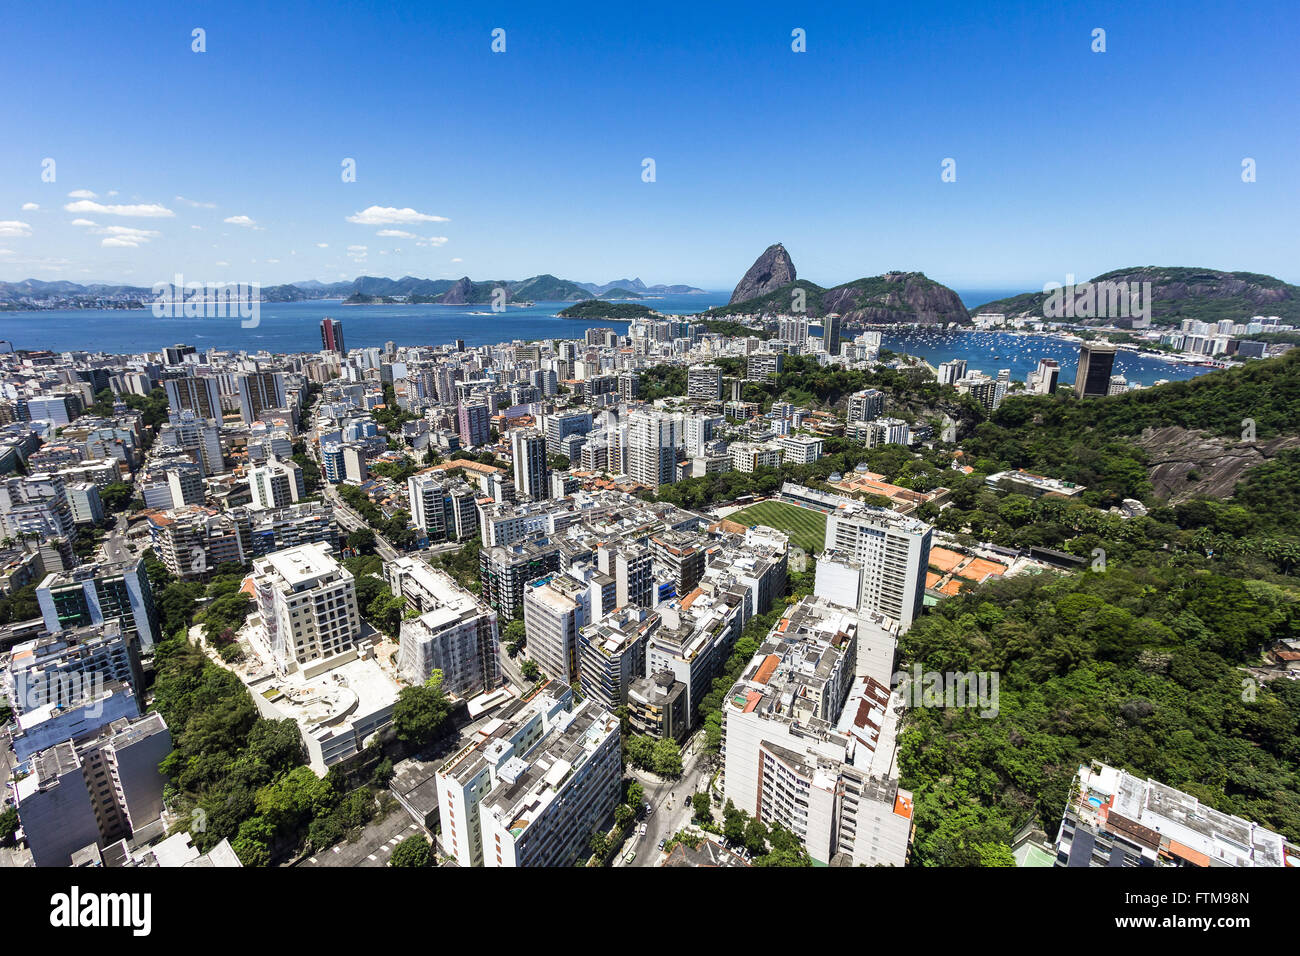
pixel 613 311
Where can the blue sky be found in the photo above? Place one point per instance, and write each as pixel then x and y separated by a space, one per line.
pixel 530 161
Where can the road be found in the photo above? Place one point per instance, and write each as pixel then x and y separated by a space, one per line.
pixel 349 520
pixel 115 543
pixel 671 802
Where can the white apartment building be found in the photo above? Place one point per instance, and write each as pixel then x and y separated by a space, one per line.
pixel 454 632
pixel 892 552
pixel 547 802
pixel 35 505
pixel 276 483
pixel 184 485
pixel 556 608
pixel 800 449
pixel 704 383
pixel 528 450
pixel 811 747
pixel 308 603
pixel 750 456
pixel 653 439
pixel 533 785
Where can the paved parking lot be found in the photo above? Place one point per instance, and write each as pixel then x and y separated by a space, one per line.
pixel 373 848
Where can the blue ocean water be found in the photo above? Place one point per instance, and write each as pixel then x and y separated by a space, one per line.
pixel 295 327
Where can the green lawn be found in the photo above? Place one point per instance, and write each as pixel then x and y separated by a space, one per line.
pixel 806 528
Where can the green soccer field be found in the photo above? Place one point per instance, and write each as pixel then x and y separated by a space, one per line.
pixel 806 528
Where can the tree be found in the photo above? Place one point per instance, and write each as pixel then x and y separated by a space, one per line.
pixel 667 758
pixel 115 496
pixel 412 852
pixel 733 824
pixel 361 541
pixel 703 807
pixel 253 844
pixel 640 750
pixel 8 825
pixel 293 799
pixel 635 795
pixel 623 814
pixel 600 845
pixel 515 634
pixel 755 836
pixel 529 670
pixel 419 714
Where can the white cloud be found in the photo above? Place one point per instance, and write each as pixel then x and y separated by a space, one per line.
pixel 223 263
pixel 200 228
pixel 322 245
pixel 125 237
pixel 196 203
pixel 30 206
pixel 458 259
pixel 389 215
pixel 396 234
pixel 12 227
pixel 82 194
pixel 112 192
pixel 143 210
pixel 239 221
pixel 356 253
pixel 438 240
pixel 84 222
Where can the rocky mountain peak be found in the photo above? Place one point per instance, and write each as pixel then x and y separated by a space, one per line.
pixel 773 269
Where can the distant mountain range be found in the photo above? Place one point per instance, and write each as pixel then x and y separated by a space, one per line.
pixel 771 286
pixel 35 294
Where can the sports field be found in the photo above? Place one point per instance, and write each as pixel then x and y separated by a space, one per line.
pixel 806 528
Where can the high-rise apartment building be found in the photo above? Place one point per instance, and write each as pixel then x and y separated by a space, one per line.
pixel 258 392
pixel 653 438
pixel 308 604
pixel 276 483
pixel 472 423
pixel 454 633
pixel 890 552
pixel 611 654
pixel 444 507
pixel 200 394
pixel 704 383
pixel 1096 362
pixel 535 786
pixel 101 593
pixel 812 748
pixel 331 336
pixel 532 474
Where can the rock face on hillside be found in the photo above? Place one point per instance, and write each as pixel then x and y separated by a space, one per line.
pixel 770 271
pixel 1186 463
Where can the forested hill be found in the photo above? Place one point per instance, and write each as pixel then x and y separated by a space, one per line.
pixel 1179 292
pixel 1094 441
pixel 1141 660
pixel 1139 667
